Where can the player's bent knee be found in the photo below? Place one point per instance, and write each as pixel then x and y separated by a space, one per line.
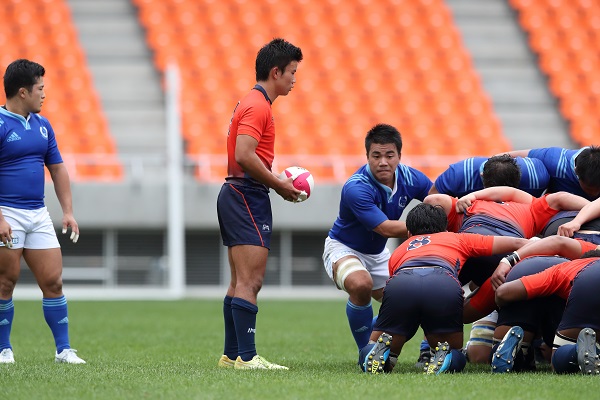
pixel 347 267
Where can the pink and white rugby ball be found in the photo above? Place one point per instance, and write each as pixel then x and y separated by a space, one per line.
pixel 303 181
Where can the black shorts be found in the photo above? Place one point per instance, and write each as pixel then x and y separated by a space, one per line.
pixel 429 297
pixel 583 304
pixel 245 215
pixel 541 314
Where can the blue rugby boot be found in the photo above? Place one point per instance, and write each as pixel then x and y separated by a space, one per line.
pixel 440 360
pixel 503 359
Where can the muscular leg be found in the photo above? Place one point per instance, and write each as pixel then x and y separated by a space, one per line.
pixel 249 264
pixel 46 266
pixel 10 269
pixel 359 286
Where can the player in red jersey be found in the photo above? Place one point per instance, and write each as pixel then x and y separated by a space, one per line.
pixel 525 299
pixel 243 205
pixel 423 290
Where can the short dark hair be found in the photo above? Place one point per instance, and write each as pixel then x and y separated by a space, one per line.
pixel 591 254
pixel 277 53
pixel 587 166
pixel 383 134
pixel 426 218
pixel 501 170
pixel 21 73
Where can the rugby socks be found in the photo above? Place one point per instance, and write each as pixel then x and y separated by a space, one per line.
pixel 230 348
pixel 564 359
pixel 360 319
pixel 7 313
pixel 55 313
pixel 424 347
pixel 244 318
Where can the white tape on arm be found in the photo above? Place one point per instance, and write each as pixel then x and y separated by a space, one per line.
pixel 345 268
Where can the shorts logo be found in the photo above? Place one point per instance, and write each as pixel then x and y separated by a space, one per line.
pixel 15 240
pixel 44 132
pixel 266 228
pixel 418 242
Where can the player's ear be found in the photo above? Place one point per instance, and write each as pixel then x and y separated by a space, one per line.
pixel 408 234
pixel 274 72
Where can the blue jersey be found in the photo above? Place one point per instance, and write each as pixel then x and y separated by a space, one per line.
pixel 366 203
pixel 464 177
pixel 26 145
pixel 560 164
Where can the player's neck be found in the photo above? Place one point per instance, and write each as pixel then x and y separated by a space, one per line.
pixel 16 107
pixel 269 88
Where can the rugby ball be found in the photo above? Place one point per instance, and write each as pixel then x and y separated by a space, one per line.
pixel 303 181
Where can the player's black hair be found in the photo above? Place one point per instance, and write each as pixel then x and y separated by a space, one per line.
pixel 21 74
pixel 591 254
pixel 426 218
pixel 501 170
pixel 277 53
pixel 587 166
pixel 383 134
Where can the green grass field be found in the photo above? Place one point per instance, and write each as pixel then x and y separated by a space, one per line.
pixel 169 350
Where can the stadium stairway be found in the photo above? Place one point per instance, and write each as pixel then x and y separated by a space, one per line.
pixel 121 65
pixel 508 68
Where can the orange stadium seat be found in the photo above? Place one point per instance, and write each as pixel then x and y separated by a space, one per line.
pixel 66 72
pixel 348 81
pixel 564 34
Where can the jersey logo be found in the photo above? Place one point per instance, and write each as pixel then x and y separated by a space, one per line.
pixel 402 201
pixel 13 136
pixel 418 242
pixel 44 132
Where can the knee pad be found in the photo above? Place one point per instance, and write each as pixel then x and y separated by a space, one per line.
pixel 345 268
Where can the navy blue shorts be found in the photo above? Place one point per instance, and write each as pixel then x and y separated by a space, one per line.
pixel 429 297
pixel 245 215
pixel 584 300
pixel 541 314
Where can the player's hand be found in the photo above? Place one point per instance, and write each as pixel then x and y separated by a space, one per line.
pixel 499 275
pixel 568 229
pixel 69 221
pixel 6 233
pixel 287 190
pixel 464 202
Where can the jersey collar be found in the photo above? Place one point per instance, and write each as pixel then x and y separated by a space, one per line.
pixel 24 121
pixel 388 191
pixel 263 91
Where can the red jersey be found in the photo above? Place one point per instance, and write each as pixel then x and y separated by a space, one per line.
pixel 444 249
pixel 529 219
pixel 252 116
pixel 586 246
pixel 556 280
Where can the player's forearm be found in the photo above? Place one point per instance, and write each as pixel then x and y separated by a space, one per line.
pixel 254 167
pixel 503 193
pixel 62 188
pixel 392 229
pixel 589 212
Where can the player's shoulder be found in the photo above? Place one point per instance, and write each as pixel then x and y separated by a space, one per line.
pixel 411 176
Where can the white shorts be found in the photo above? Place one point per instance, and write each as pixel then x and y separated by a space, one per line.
pixel 376 264
pixel 31 229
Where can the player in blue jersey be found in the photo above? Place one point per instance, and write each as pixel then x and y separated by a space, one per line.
pixel 476 173
pixel 27 143
pixel 372 201
pixel 573 171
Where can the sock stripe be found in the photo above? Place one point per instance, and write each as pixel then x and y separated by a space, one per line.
pixel 57 302
pixel 354 306
pixel 6 306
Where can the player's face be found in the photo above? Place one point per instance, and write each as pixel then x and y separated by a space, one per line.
pixel 287 78
pixel 35 98
pixel 383 160
pixel 592 191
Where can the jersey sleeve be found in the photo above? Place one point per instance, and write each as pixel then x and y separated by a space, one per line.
pixel 475 245
pixel 543 283
pixel 253 120
pixel 446 182
pixel 534 176
pixel 53 154
pixel 360 198
pixel 586 246
pixel 548 156
pixel 454 218
pixel 419 182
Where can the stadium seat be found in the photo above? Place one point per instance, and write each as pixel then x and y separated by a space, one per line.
pixel 348 81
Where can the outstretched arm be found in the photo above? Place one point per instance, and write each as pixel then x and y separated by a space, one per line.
pixel 550 246
pixel 566 201
pixel 392 228
pixel 516 153
pixel 497 193
pixel 587 213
